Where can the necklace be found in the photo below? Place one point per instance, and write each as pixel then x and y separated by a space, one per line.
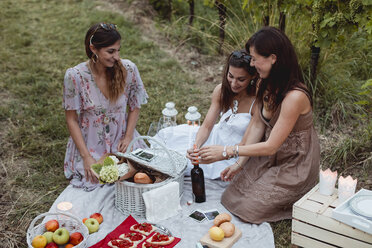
pixel 235 107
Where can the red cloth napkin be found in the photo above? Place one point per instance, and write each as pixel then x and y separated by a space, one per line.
pixel 124 227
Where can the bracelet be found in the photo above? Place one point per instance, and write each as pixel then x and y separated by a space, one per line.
pixel 239 165
pixel 224 153
pixel 236 151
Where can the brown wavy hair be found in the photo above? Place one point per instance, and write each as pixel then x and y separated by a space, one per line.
pixel 241 61
pixel 101 37
pixel 285 74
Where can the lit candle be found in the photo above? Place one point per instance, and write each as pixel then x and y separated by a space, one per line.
pixel 64 207
pixel 346 188
pixel 327 181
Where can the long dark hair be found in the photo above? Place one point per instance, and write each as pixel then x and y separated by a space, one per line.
pixel 285 74
pixel 239 59
pixel 102 35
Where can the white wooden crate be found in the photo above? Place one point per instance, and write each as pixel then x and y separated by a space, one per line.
pixel 313 225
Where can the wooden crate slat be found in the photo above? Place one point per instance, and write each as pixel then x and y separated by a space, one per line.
pixel 308 194
pixel 325 221
pixel 306 242
pixel 309 205
pixel 327 236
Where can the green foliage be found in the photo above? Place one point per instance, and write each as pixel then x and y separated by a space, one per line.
pixel 108 161
pixel 97 168
pixel 366 94
pixel 333 20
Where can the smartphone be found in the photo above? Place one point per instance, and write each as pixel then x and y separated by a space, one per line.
pixel 198 216
pixel 145 155
pixel 211 214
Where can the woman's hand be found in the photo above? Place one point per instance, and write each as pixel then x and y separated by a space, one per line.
pixel 193 155
pixel 123 144
pixel 88 161
pixel 229 172
pixel 210 154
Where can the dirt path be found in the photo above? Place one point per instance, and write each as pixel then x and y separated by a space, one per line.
pixel 207 70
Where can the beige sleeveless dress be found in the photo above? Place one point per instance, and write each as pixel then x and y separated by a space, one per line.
pixel 268 186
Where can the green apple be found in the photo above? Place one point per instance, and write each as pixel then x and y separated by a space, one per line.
pixel 48 236
pixel 92 224
pixel 61 236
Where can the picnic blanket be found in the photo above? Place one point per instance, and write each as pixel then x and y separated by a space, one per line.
pixel 182 226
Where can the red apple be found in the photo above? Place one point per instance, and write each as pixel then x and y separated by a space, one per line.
pixel 84 220
pixel 98 217
pixel 76 238
pixel 52 225
pixel 69 246
pixel 51 245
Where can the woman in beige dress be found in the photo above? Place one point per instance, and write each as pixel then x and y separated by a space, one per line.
pixel 279 154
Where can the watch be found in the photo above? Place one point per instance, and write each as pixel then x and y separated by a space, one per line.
pixel 224 153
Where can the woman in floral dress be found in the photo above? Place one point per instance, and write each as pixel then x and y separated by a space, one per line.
pixel 96 96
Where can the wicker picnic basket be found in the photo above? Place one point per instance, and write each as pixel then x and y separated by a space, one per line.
pixel 66 220
pixel 128 195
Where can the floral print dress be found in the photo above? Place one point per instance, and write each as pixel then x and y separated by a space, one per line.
pixel 102 123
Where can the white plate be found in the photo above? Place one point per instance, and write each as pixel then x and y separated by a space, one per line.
pixel 362 205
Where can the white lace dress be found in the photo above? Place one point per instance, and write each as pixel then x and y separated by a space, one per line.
pixel 228 131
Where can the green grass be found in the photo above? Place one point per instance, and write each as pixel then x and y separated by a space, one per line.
pixel 39 41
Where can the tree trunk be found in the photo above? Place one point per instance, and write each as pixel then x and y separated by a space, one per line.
pixel 266 20
pixel 170 8
pixel 282 21
pixel 315 51
pixel 222 14
pixel 192 9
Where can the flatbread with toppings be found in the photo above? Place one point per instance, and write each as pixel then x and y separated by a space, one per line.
pixel 121 243
pixel 144 228
pixel 160 239
pixel 148 245
pixel 134 237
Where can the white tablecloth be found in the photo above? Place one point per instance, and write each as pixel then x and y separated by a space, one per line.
pixel 102 200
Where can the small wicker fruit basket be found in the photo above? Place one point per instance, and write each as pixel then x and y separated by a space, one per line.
pixel 128 195
pixel 66 220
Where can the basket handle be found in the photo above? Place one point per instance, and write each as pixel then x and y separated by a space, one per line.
pixel 157 142
pixel 46 214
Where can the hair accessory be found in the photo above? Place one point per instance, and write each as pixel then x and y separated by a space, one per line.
pixel 105 26
pixel 241 55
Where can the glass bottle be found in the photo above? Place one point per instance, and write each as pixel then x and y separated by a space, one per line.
pixel 197 181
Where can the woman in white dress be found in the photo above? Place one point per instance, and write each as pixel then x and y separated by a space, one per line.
pixel 232 100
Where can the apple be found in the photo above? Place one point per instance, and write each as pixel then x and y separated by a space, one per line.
pixel 92 225
pixel 69 246
pixel 51 245
pixel 98 217
pixel 39 241
pixel 61 236
pixel 52 225
pixel 84 220
pixel 76 238
pixel 48 236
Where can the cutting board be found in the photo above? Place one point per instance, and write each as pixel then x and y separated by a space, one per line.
pixel 225 243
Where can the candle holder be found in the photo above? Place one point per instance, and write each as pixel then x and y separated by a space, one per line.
pixel 327 181
pixel 346 188
pixel 169 117
pixel 193 116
